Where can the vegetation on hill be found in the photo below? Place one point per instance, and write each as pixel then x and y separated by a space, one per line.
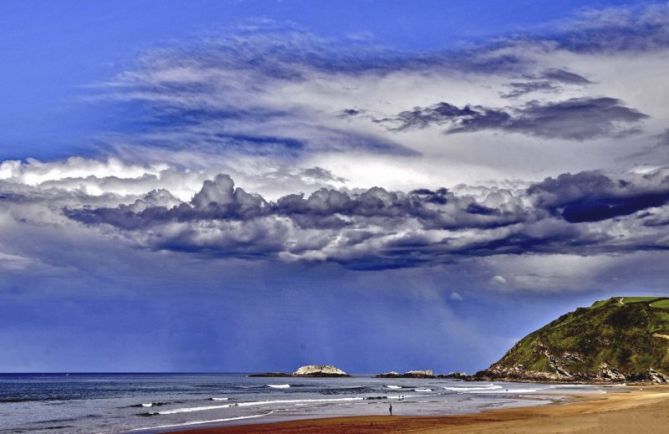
pixel 619 339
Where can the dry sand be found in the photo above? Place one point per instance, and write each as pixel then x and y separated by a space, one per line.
pixel 641 410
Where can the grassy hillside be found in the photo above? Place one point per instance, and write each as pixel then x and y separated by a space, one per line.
pixel 619 339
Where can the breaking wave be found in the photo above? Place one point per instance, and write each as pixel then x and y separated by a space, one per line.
pixel 199 422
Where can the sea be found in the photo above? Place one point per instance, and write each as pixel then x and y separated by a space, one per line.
pixel 158 403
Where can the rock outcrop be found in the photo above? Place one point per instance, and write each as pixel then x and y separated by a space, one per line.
pixel 420 373
pixel 426 373
pixel 390 374
pixel 270 374
pixel 455 376
pixel 319 371
pixel 623 339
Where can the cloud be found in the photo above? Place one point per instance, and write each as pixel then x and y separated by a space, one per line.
pixel 555 272
pixel 455 296
pixel 552 80
pixel 500 280
pixel 637 28
pixel 573 119
pixel 444 112
pixel 592 196
pixel 586 213
pixel 523 88
pixel 563 76
pixel 273 94
pixel 213 94
pixel 11 262
pixel 336 168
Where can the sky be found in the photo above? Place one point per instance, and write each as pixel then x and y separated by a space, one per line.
pixel 238 186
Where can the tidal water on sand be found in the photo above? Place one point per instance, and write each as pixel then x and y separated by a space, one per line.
pixel 120 403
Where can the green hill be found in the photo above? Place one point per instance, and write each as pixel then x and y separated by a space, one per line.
pixel 615 340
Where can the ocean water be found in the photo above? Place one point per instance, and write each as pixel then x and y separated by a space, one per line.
pixel 148 403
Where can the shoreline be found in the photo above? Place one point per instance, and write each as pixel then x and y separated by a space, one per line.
pixel 641 409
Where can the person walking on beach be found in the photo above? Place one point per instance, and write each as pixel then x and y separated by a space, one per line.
pixel 390 408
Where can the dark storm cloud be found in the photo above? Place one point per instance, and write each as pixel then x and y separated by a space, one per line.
pixel 523 88
pixel 564 76
pixel 320 174
pixel 445 113
pixel 575 119
pixel 377 228
pixel 592 196
pixel 549 81
pixel 572 119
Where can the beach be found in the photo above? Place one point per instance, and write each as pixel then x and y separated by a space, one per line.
pixel 639 410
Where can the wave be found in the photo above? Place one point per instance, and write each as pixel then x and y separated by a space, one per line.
pixel 493 389
pixel 11 400
pixel 298 401
pixel 252 404
pixel 149 404
pixel 199 422
pixel 279 386
pixel 400 397
pixel 219 398
pixel 505 391
pixel 474 388
pixel 347 390
pixel 422 389
pixel 393 386
pixel 588 387
pixel 191 409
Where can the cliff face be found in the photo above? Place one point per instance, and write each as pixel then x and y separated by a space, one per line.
pixel 622 339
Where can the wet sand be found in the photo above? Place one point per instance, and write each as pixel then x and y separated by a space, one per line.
pixel 641 410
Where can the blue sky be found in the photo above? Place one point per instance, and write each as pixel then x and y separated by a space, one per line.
pixel 255 185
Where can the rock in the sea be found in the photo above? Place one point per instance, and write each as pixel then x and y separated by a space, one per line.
pixel 456 375
pixel 391 374
pixel 419 373
pixel 426 373
pixel 270 374
pixel 319 371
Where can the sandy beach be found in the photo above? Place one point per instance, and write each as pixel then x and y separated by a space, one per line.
pixel 641 410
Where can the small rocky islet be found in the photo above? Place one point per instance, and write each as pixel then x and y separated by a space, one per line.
pixel 307 371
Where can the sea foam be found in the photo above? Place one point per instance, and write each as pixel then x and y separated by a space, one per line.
pixel 255 403
pixel 474 388
pixel 199 422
